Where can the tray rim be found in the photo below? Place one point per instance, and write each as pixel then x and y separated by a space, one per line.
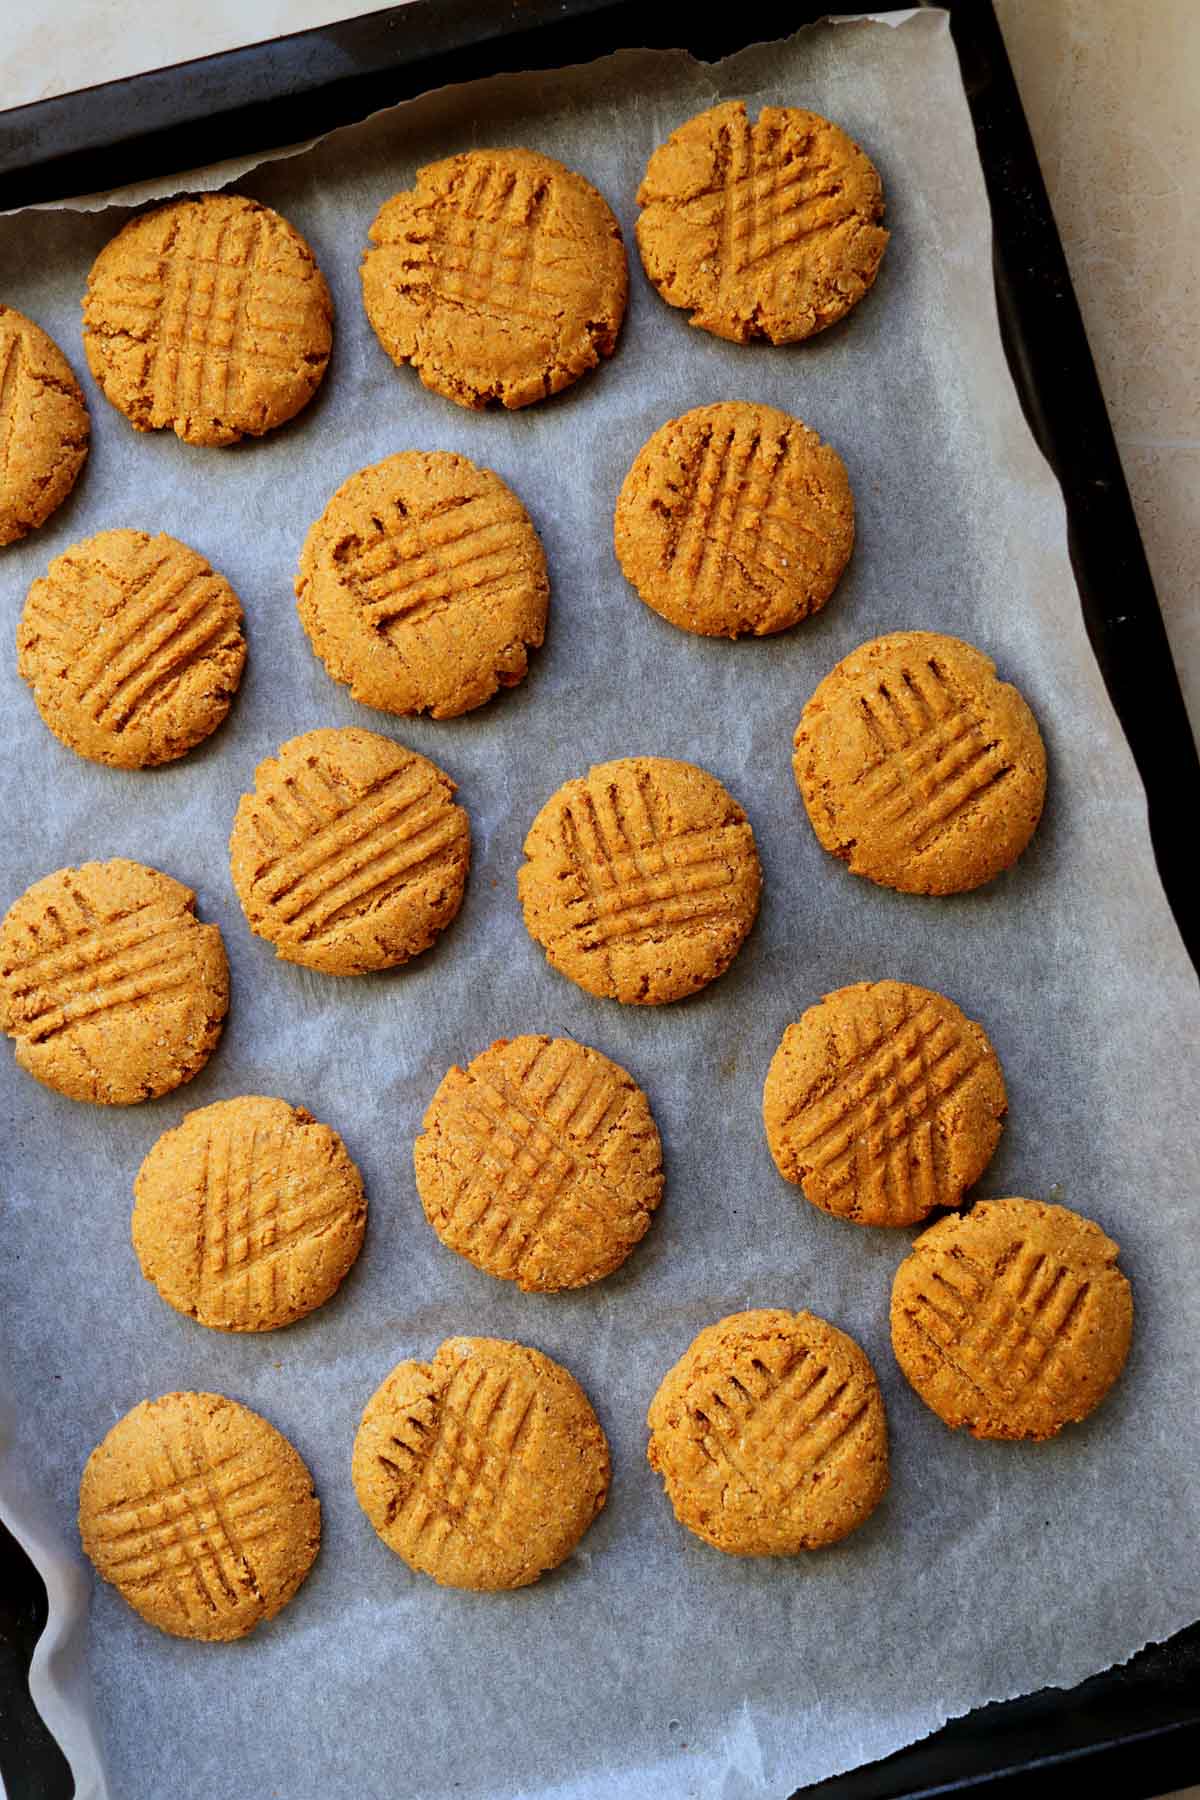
pixel 358 64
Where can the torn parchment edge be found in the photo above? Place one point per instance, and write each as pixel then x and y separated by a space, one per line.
pixel 214 176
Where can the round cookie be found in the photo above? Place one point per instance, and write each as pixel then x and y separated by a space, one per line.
pixel 44 426
pixel 110 986
pixel 423 585
pixel 735 518
pixel 500 276
pixel 483 1468
pixel 209 316
pixel 918 766
pixel 1012 1319
pixel 770 1435
pixel 769 230
pixel 540 1162
pixel 883 1101
pixel 642 879
pixel 350 854
pixel 200 1514
pixel 133 647
pixel 248 1214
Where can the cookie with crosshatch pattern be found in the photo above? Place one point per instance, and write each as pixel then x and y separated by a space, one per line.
pixel 883 1101
pixel 641 879
pixel 499 275
pixel 540 1162
pixel 351 854
pixel 133 647
pixel 770 1434
pixel 483 1468
pixel 209 316
pixel 111 988
pixel 770 230
pixel 248 1214
pixel 918 766
pixel 44 426
pixel 734 518
pixel 200 1514
pixel 423 585
pixel 1012 1319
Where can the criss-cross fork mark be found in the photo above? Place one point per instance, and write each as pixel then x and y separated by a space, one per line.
pixel 485 247
pixel 170 615
pixel 333 856
pixel 250 1216
pixel 1005 1334
pixel 541 1148
pixel 764 197
pixel 192 1529
pixel 202 301
pixel 430 563
pixel 97 966
pixel 10 382
pixel 777 1429
pixel 880 1115
pixel 724 508
pixel 936 758
pixel 631 878
pixel 467 1475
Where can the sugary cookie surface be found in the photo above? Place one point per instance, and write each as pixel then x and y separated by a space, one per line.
pixel 500 276
pixel 483 1468
pixel 768 229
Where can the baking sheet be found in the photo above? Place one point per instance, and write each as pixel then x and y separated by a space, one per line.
pixel 648 1658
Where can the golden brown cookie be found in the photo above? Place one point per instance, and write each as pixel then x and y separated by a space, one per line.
pixel 1012 1319
pixel 769 230
pixel 423 585
pixel 109 984
pixel 248 1214
pixel 483 1468
pixel 500 276
pixel 210 316
pixel 918 766
pixel 351 853
pixel 735 518
pixel 642 879
pixel 201 1515
pixel 770 1435
pixel 540 1162
pixel 44 426
pixel 883 1101
pixel 133 647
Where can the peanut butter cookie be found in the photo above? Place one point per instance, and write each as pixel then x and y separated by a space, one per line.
pixel 500 276
pixel 769 230
pixel 200 1514
pixel 248 1214
pixel 642 880
pixel 44 426
pixel 735 518
pixel 133 647
pixel 883 1102
pixel 109 984
pixel 209 316
pixel 1012 1319
pixel 483 1468
pixel 423 585
pixel 769 1434
pixel 350 854
pixel 540 1162
pixel 918 766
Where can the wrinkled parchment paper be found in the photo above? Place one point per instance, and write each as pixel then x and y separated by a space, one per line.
pixel 648 1658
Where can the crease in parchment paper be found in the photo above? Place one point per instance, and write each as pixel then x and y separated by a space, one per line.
pixel 648 1661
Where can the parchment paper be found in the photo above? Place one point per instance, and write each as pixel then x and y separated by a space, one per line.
pixel 648 1660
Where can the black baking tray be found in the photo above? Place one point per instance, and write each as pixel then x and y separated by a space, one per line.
pixel 1133 1731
